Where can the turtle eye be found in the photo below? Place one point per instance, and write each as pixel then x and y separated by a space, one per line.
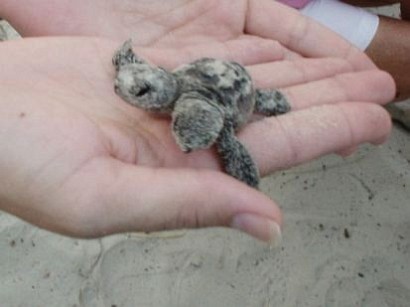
pixel 139 91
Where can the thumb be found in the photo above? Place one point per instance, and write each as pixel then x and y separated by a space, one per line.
pixel 137 198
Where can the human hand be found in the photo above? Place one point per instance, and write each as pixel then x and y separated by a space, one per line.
pixel 77 160
pixel 180 23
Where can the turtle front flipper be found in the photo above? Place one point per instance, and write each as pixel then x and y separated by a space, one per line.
pixel 235 157
pixel 271 102
pixel 196 122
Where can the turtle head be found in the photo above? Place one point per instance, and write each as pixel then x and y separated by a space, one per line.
pixel 142 85
pixel 146 87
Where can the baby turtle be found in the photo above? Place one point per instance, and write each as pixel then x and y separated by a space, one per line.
pixel 209 100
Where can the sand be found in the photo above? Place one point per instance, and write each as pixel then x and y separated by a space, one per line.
pixel 346 242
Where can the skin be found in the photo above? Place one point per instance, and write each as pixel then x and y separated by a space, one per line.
pixel 77 160
pixel 176 23
pixel 390 51
pixel 404 4
pixel 391 45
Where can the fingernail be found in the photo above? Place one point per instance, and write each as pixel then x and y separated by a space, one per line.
pixel 347 152
pixel 380 141
pixel 260 227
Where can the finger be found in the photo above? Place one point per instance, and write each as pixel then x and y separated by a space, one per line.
pixel 145 199
pixel 308 82
pixel 247 51
pixel 301 136
pixel 281 74
pixel 367 86
pixel 272 20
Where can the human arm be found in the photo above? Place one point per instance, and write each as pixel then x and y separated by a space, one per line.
pixel 403 3
pixel 385 40
pixel 390 51
pixel 391 45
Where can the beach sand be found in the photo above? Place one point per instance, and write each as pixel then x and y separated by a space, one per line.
pixel 346 242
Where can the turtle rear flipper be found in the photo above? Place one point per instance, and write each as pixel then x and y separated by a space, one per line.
pixel 235 157
pixel 271 102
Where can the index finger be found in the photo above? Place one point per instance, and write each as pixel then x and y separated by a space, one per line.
pixel 272 20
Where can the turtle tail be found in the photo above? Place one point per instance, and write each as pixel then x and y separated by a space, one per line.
pixel 235 157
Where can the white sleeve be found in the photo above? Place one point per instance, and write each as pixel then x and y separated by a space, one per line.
pixel 355 24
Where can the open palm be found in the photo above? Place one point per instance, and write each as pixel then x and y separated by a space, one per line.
pixel 149 22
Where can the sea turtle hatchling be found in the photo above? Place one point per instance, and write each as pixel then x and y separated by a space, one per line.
pixel 208 99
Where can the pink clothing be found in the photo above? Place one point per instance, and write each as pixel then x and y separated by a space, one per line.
pixel 295 3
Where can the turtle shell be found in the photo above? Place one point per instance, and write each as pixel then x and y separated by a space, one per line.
pixel 227 84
